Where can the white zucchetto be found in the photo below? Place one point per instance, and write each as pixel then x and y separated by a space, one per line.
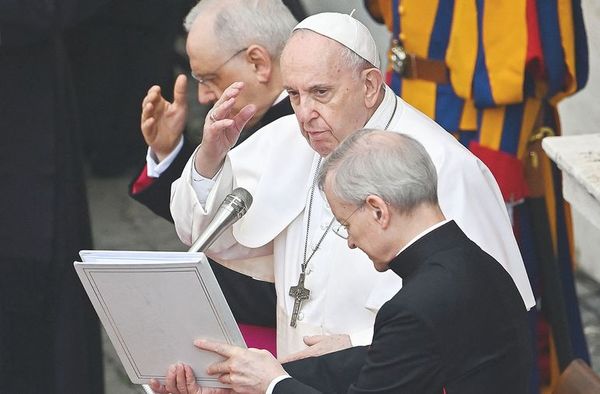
pixel 346 30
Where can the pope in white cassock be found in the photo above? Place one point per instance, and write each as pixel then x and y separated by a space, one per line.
pixel 331 72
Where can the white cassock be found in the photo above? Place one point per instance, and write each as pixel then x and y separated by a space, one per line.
pixel 277 166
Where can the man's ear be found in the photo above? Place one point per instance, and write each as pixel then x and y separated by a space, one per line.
pixel 380 210
pixel 373 80
pixel 261 60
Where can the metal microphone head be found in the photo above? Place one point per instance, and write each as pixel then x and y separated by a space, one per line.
pixel 240 199
pixel 234 206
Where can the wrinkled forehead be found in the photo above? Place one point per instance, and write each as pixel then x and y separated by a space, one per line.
pixel 308 53
pixel 201 40
pixel 308 44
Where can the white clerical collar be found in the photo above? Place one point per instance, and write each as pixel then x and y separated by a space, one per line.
pixel 390 107
pixel 422 234
pixel 280 98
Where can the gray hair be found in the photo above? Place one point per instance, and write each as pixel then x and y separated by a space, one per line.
pixel 390 165
pixel 347 57
pixel 353 61
pixel 241 23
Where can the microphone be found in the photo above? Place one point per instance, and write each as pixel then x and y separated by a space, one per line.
pixel 234 206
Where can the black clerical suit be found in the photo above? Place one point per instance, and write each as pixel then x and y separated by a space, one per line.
pixel 458 323
pixel 251 301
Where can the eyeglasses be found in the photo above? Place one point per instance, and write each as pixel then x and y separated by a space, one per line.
pixel 341 229
pixel 204 78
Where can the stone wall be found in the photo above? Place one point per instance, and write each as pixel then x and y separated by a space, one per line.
pixel 580 114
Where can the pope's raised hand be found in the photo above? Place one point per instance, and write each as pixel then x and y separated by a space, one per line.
pixel 163 122
pixel 222 128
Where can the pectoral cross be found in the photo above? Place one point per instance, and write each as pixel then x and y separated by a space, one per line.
pixel 300 294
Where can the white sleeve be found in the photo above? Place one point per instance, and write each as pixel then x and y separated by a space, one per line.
pixel 385 287
pixel 154 169
pixel 362 338
pixel 192 216
pixel 191 213
pixel 202 186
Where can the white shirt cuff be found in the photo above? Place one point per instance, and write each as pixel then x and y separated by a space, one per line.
pixel 274 382
pixel 202 186
pixel 362 338
pixel 153 168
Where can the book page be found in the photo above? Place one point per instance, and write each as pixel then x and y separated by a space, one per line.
pixel 153 308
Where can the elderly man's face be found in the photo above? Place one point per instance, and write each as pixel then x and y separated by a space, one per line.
pixel 327 96
pixel 217 68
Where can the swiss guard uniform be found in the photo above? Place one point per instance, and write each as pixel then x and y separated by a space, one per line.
pixel 492 73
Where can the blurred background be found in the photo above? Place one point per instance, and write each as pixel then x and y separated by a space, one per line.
pixel 114 145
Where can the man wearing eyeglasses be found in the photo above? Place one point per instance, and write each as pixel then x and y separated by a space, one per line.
pixel 327 295
pixel 435 335
pixel 228 40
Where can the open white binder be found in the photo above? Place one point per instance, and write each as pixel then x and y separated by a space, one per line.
pixel 153 305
